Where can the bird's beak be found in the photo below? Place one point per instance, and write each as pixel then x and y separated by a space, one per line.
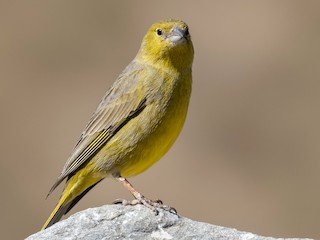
pixel 177 35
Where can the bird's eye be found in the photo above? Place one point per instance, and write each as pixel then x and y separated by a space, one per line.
pixel 159 32
pixel 187 32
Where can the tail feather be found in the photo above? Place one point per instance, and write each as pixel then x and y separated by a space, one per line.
pixel 56 215
pixel 67 202
pixel 78 198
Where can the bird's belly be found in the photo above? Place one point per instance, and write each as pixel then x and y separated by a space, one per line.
pixel 143 140
pixel 155 145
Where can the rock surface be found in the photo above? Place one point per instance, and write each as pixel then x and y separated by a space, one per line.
pixel 137 222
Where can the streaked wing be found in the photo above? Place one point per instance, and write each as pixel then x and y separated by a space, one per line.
pixel 121 103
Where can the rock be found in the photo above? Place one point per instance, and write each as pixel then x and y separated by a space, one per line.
pixel 136 222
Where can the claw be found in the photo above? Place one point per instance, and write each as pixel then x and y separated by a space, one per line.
pixel 119 201
pixel 173 210
pixel 159 201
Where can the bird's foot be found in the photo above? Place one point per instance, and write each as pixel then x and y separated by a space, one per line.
pixel 151 204
pixel 140 199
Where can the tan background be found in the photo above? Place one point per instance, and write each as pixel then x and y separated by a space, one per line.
pixel 248 156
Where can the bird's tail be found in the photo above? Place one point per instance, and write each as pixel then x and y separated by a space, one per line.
pixel 76 188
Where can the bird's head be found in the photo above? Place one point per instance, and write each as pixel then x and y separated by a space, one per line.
pixel 167 42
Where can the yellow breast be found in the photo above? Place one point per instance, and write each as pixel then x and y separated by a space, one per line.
pixel 146 138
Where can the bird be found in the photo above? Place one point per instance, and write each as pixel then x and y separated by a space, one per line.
pixel 137 121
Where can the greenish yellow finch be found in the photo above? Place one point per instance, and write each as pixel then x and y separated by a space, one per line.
pixel 137 120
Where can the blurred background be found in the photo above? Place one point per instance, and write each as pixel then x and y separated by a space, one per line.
pixel 248 156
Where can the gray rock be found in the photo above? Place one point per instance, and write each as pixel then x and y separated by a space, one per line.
pixel 137 222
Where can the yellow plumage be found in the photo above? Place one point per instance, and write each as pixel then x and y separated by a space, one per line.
pixel 137 120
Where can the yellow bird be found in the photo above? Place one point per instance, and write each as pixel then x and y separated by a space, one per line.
pixel 137 120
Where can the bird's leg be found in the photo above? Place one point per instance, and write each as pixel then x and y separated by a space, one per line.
pixel 140 199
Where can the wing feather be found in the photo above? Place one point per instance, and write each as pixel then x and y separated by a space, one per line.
pixel 121 103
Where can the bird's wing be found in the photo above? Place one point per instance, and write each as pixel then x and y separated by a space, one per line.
pixel 123 101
